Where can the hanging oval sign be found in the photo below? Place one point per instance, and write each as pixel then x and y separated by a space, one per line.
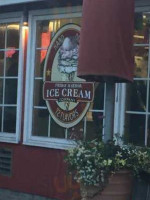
pixel 67 96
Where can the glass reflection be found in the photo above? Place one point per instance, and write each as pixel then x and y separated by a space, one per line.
pixel 1 63
pixel 94 125
pixel 38 95
pixel 141 61
pixel 11 91
pixel 39 62
pixel 1 91
pixel 134 130
pixel 76 132
pixel 94 118
pixel 13 32
pixel 149 98
pixel 40 123
pixel 141 34
pixel 98 103
pixel 46 29
pixel 9 119
pixel 56 131
pixel 148 131
pixel 44 34
pixel 136 96
pixel 2 36
pixel 12 57
pixel 0 119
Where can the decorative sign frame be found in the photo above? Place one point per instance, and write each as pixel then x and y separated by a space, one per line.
pixel 67 96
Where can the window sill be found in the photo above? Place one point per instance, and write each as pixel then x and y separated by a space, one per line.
pixel 9 138
pixel 53 143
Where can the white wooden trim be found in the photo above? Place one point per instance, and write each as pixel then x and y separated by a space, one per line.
pixel 9 17
pixel 20 83
pixel 15 137
pixel 142 8
pixel 50 142
pixel 28 139
pixel 8 138
pixel 56 11
pixel 10 2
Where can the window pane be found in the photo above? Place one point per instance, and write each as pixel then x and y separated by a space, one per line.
pixel 94 125
pixel 40 122
pixel 13 35
pixel 56 131
pixel 12 62
pixel 10 91
pixel 1 91
pixel 47 28
pixel 44 34
pixel 76 132
pixel 9 119
pixel 136 96
pixel 134 130
pixel 148 131
pixel 38 93
pixel 98 103
pixel 2 36
pixel 76 20
pixel 0 119
pixel 1 63
pixel 149 99
pixel 141 61
pixel 39 62
pixel 141 29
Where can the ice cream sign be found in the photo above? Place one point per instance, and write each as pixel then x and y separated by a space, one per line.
pixel 67 96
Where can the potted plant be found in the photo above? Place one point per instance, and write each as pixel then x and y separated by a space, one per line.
pixel 100 167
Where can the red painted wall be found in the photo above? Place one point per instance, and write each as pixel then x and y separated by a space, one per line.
pixel 39 171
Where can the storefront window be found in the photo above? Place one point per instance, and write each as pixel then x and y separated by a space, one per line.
pixel 45 130
pixel 10 91
pixel 137 124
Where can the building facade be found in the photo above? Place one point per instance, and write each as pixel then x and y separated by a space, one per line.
pixel 32 144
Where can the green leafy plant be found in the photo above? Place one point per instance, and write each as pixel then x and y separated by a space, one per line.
pixel 93 162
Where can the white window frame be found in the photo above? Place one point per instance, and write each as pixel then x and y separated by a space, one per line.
pixel 120 110
pixel 49 14
pixel 15 137
pixel 10 2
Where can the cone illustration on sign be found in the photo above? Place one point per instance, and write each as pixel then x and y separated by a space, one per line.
pixel 68 58
pixel 67 96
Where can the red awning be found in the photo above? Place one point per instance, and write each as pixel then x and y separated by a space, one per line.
pixel 106 44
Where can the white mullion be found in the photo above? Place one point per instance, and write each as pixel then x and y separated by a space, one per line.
pixel 66 133
pixel 7 49
pixel 135 112
pixel 40 107
pixel 4 80
pixel 92 110
pixel 146 134
pixel 53 32
pixel 147 99
pixel 146 120
pixel 141 79
pixel 141 45
pixel 38 78
pixel 9 77
pixel 40 48
pixel 8 105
